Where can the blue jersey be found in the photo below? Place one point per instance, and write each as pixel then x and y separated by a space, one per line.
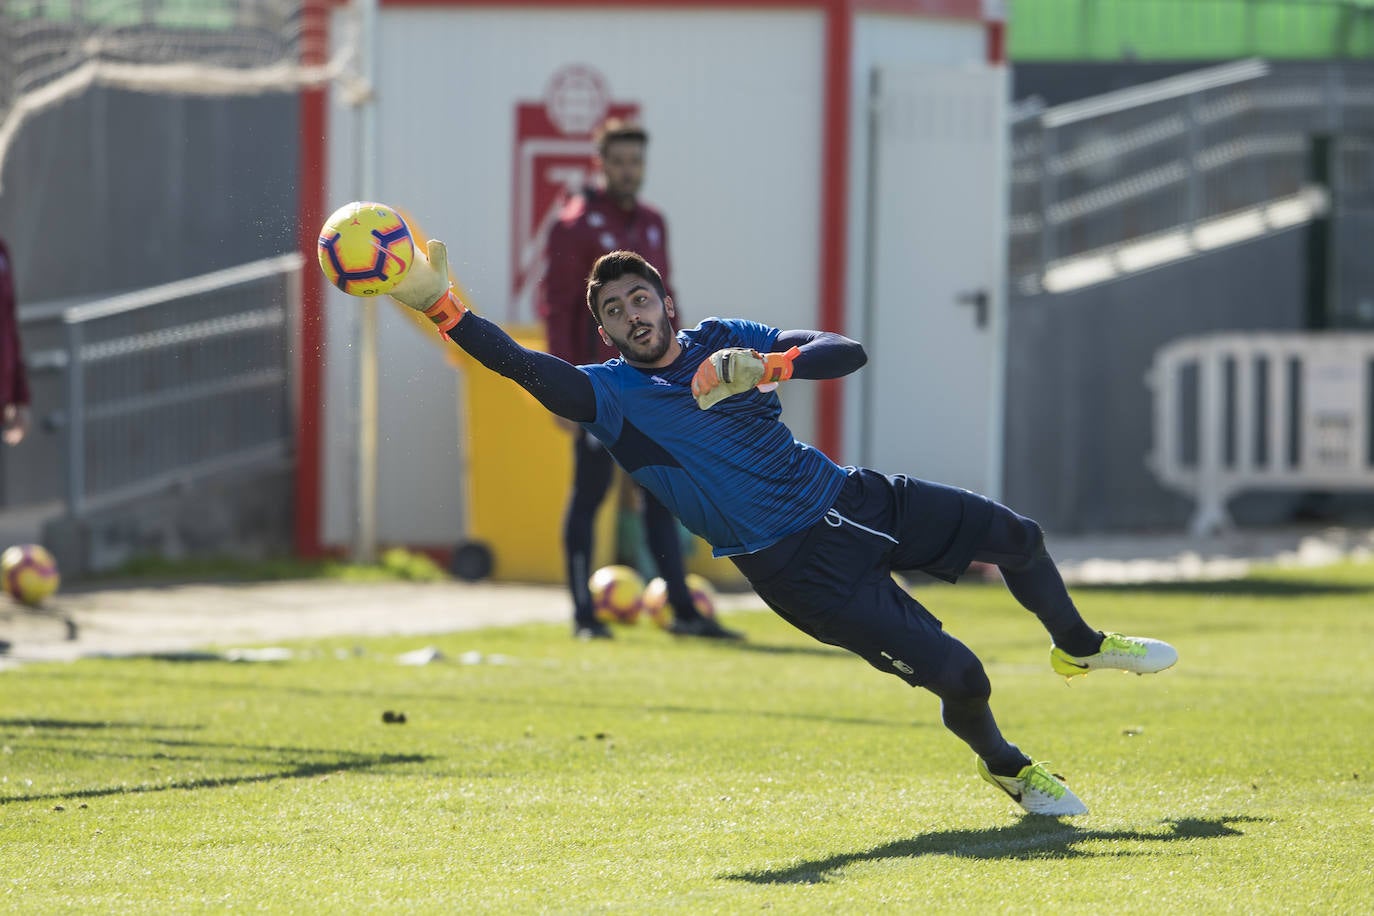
pixel 734 474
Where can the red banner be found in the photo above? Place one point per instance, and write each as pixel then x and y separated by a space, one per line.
pixel 553 157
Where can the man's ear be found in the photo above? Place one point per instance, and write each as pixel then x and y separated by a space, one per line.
pixel 606 338
pixel 668 304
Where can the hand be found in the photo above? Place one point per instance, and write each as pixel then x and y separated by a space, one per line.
pixel 16 423
pixel 425 288
pixel 427 280
pixel 736 369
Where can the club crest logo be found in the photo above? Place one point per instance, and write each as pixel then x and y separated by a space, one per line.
pixel 553 158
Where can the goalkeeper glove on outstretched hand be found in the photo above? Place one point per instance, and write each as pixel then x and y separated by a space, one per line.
pixel 425 288
pixel 736 369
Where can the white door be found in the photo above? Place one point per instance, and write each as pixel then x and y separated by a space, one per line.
pixel 933 308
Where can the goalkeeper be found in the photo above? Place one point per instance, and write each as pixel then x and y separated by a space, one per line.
pixel 693 417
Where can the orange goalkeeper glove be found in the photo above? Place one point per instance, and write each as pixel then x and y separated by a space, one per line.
pixel 735 369
pixel 425 288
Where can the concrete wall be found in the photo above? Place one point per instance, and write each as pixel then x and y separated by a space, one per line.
pixel 1078 411
pixel 246 516
pixel 112 191
pixel 115 190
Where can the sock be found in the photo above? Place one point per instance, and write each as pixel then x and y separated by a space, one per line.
pixel 963 688
pixel 1041 590
pixel 1016 546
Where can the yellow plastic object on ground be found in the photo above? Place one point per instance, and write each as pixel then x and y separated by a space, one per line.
pixel 518 465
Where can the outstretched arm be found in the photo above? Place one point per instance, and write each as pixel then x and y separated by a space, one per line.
pixel 560 386
pixel 821 354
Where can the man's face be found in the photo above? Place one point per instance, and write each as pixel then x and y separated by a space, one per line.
pixel 637 322
pixel 623 166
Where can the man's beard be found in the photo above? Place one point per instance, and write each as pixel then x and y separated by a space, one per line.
pixel 656 349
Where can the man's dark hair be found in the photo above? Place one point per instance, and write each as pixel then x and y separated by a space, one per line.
pixel 614 265
pixel 614 129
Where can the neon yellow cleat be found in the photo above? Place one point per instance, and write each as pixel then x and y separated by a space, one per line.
pixel 1037 790
pixel 1135 654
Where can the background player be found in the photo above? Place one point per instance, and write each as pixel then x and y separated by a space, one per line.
pixel 14 383
pixel 692 416
pixel 595 221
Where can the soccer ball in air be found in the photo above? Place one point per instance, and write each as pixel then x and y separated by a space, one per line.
pixel 616 594
pixel 365 248
pixel 30 573
pixel 657 608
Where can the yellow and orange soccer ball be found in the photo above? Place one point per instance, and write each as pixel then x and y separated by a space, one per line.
pixel 620 597
pixel 617 594
pixel 29 573
pixel 657 608
pixel 365 248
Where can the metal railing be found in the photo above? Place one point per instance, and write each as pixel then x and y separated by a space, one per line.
pixel 178 382
pixel 1247 411
pixel 1091 176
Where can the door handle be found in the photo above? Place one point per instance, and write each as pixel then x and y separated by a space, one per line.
pixel 977 298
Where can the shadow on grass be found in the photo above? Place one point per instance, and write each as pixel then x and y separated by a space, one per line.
pixel 766 649
pixel 1243 588
pixel 1032 838
pixel 79 725
pixel 266 760
pixel 577 703
pixel 205 655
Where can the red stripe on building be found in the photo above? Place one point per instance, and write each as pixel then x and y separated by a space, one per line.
pixel 311 189
pixel 834 188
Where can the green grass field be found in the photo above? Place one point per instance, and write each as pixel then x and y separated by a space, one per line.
pixel 658 775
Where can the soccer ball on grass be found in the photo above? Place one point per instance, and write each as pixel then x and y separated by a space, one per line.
pixel 616 594
pixel 657 608
pixel 365 248
pixel 30 573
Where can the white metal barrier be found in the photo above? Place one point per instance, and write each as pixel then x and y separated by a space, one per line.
pixel 1251 411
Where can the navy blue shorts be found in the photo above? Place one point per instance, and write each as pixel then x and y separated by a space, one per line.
pixel 833 580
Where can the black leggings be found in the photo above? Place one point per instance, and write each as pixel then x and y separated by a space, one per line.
pixel 1016 546
pixel 592 471
pixel 832 582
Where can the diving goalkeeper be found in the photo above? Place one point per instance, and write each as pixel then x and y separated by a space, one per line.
pixel 693 417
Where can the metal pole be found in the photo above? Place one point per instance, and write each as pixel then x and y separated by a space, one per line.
pixel 870 259
pixel 76 423
pixel 999 299
pixel 1193 204
pixel 365 524
pixel 1048 250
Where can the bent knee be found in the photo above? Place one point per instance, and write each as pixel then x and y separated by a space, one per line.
pixel 1027 542
pixel 962 677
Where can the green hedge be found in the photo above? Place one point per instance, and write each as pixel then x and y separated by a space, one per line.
pixel 1189 29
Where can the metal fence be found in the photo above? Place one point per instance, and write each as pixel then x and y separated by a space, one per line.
pixel 1091 177
pixel 179 382
pixel 1238 412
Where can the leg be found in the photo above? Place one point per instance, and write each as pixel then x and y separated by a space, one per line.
pixel 661 529
pixel 894 633
pixel 1016 546
pixel 665 542
pixel 833 583
pixel 591 478
pixel 963 688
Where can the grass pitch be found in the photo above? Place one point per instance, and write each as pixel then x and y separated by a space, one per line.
pixel 536 774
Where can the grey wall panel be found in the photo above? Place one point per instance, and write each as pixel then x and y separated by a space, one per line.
pixel 1078 409
pixel 113 190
